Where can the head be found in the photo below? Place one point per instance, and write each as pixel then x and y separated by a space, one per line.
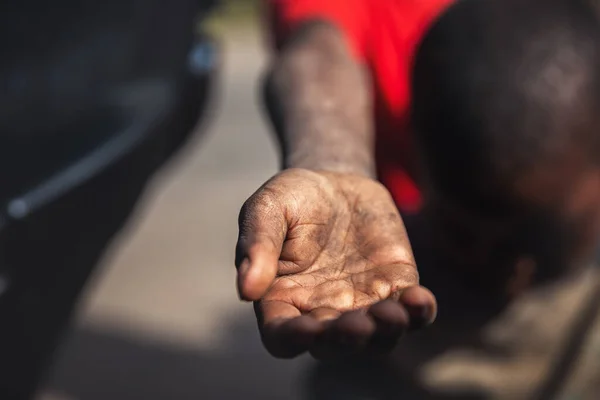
pixel 506 113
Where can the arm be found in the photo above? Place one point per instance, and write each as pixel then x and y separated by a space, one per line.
pixel 319 101
pixel 322 249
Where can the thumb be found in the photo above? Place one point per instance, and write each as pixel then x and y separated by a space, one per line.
pixel 262 231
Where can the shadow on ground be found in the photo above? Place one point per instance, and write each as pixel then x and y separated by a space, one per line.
pixel 101 365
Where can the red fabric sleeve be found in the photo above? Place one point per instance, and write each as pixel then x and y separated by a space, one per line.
pixel 350 16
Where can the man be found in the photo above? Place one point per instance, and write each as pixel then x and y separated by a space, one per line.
pixel 478 117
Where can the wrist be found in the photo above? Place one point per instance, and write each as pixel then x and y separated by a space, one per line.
pixel 365 168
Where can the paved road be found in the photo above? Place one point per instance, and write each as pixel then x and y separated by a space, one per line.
pixel 161 320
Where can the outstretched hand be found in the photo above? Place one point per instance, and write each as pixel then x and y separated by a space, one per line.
pixel 326 259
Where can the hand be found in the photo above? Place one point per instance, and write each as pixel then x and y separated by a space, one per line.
pixel 328 262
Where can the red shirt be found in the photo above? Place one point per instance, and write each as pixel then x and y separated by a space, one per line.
pixel 383 35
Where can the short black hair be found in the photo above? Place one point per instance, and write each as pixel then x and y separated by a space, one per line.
pixel 499 85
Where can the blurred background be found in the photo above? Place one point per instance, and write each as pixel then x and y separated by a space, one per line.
pixel 160 319
pixel 96 103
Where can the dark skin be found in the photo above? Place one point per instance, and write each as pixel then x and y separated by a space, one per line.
pixel 322 249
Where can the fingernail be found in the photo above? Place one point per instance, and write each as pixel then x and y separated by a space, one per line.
pixel 420 317
pixel 426 315
pixel 431 314
pixel 244 267
pixel 242 274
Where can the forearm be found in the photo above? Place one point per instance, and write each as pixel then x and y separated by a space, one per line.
pixel 319 100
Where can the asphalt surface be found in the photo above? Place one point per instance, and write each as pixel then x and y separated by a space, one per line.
pixel 162 319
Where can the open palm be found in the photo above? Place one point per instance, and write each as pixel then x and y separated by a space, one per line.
pixel 327 259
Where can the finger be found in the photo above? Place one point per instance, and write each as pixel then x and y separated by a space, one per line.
pixel 392 321
pixel 346 336
pixel 321 348
pixel 421 306
pixel 262 231
pixel 353 330
pixel 325 314
pixel 284 331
